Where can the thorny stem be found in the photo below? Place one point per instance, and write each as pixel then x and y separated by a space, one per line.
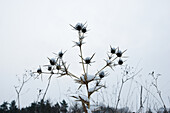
pixel 47 87
pixel 72 75
pixel 105 66
pixel 69 73
pixel 81 55
pixel 85 74
pixel 87 69
pixel 114 59
pixel 101 69
pixel 84 107
pixel 87 87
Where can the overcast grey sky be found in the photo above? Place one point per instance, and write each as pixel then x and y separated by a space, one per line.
pixel 30 30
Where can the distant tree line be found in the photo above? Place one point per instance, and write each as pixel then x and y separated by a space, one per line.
pixel 40 107
pixel 60 107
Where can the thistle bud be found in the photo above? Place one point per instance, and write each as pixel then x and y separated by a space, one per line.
pixel 49 68
pixel 60 54
pixel 120 61
pixel 119 53
pixel 58 67
pixel 39 71
pixel 52 61
pixel 101 74
pixel 79 26
pixel 87 60
pixel 84 30
pixel 113 50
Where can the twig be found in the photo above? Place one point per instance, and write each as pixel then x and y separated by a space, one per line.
pixel 18 91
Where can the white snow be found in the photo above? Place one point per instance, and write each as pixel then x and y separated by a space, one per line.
pixel 94 88
pixel 82 37
pixel 87 58
pixel 108 61
pixel 89 77
pixel 88 111
pixel 84 97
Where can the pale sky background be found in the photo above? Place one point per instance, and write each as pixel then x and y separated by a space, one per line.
pixel 30 30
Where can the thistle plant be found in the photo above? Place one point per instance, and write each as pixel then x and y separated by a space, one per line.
pixel 92 82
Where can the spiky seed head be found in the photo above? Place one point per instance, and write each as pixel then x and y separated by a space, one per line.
pixel 39 71
pixel 60 54
pixel 113 50
pixel 101 74
pixel 87 60
pixel 79 26
pixel 52 61
pixel 49 68
pixel 58 67
pixel 120 61
pixel 119 53
pixel 84 30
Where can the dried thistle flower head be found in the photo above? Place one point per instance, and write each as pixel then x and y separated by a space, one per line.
pixel 119 53
pixel 79 26
pixel 52 61
pixel 112 50
pixel 87 60
pixel 39 71
pixel 120 61
pixel 101 74
pixel 84 30
pixel 58 67
pixel 49 68
pixel 60 54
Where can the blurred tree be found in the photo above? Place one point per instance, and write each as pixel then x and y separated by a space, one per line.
pixel 4 107
pixel 13 108
pixel 75 108
pixel 47 107
pixel 41 106
pixel 56 108
pixel 64 106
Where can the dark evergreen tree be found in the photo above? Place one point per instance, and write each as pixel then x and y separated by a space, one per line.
pixel 56 108
pixel 75 109
pixel 13 108
pixel 4 107
pixel 64 106
pixel 32 108
pixel 41 106
pixel 48 107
